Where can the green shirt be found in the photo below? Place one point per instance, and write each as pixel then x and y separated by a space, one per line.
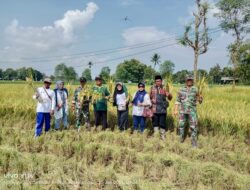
pixel 187 98
pixel 101 102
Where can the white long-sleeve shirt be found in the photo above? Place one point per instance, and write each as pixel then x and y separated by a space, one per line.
pixel 45 105
pixel 138 110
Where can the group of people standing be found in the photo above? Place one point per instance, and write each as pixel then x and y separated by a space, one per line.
pixel 152 104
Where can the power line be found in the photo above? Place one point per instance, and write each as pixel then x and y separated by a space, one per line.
pixel 103 52
pixel 137 53
pixel 113 50
pixel 98 52
pixel 130 55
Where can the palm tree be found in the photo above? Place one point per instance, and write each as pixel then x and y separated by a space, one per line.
pixel 155 59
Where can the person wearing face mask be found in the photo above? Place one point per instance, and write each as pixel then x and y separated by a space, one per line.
pixel 121 101
pixel 185 106
pixel 140 100
pixel 45 96
pixel 60 105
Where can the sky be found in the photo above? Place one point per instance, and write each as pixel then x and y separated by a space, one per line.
pixel 44 33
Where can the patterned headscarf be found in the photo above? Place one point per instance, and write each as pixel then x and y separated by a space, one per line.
pixel 58 84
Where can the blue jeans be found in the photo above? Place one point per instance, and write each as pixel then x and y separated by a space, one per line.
pixel 40 118
pixel 64 120
pixel 139 120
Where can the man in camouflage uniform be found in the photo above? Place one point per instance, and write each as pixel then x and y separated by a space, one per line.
pixel 81 106
pixel 186 106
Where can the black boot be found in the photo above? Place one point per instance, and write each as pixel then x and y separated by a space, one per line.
pixel 194 142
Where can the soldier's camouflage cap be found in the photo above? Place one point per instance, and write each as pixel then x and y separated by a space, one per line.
pixel 189 77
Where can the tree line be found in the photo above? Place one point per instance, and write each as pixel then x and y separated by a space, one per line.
pixel 134 71
pixel 21 74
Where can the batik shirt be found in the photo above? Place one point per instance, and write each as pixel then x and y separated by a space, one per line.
pixel 158 96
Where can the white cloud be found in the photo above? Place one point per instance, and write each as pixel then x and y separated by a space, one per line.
pixel 183 57
pixel 74 19
pixel 146 34
pixel 29 41
pixel 129 2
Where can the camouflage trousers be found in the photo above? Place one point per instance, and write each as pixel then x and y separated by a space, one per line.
pixel 192 120
pixel 82 117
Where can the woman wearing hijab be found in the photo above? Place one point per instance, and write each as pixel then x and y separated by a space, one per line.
pixel 121 100
pixel 60 105
pixel 141 100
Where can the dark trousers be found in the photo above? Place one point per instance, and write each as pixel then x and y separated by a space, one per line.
pixel 122 119
pixel 40 118
pixel 139 120
pixel 101 119
pixel 159 120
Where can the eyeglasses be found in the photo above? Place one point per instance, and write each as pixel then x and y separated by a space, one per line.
pixel 141 86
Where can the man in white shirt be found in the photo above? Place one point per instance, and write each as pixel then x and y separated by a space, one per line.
pixel 44 96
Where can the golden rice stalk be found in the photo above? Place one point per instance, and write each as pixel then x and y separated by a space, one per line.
pixel 96 96
pixel 169 83
pixel 86 93
pixel 70 87
pixel 111 86
pixel 30 81
pixel 201 85
pixel 129 95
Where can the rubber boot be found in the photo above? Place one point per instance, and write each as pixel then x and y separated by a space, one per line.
pixel 181 135
pixel 156 131
pixel 88 126
pixel 163 134
pixel 194 142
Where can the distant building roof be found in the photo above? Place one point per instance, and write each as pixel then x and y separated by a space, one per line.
pixel 228 78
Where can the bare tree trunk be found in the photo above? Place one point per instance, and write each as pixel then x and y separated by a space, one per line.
pixel 196 56
pixel 233 87
pixel 234 77
pixel 235 52
pixel 201 40
pixel 234 59
pixel 196 43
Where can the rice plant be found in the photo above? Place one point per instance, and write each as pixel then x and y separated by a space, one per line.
pixel 121 160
